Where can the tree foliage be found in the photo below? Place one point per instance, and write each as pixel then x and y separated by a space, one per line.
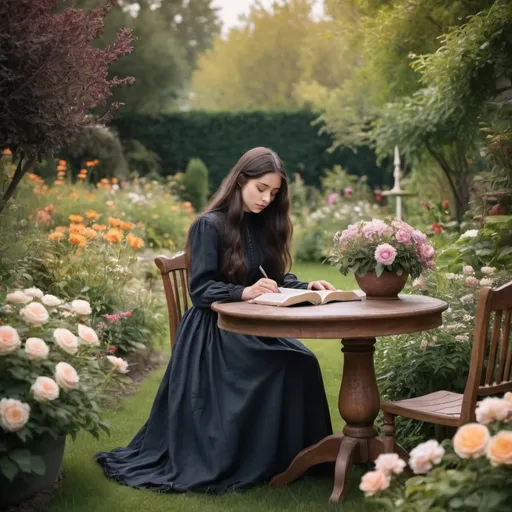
pixel 51 76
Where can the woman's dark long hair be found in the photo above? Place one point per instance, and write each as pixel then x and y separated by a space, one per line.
pixel 274 221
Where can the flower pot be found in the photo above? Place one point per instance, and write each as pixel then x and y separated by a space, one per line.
pixel 25 485
pixel 387 286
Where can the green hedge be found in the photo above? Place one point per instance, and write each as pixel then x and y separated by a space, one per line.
pixel 220 138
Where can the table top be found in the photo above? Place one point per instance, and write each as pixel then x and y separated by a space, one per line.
pixel 357 319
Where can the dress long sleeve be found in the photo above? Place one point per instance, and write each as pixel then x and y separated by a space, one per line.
pixel 290 280
pixel 204 283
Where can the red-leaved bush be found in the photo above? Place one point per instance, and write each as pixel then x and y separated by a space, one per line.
pixel 51 76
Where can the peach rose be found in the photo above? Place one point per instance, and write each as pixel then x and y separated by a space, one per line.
pixel 9 339
pixel 390 463
pixel 35 293
pixel 51 301
pixel 13 414
pixel 82 307
pixel 36 348
pixel 119 364
pixel 18 297
pixel 373 482
pixel 471 440
pixel 87 335
pixel 499 449
pixel 66 376
pixel 66 340
pixel 425 455
pixel 492 409
pixel 35 314
pixel 45 389
pixel 508 396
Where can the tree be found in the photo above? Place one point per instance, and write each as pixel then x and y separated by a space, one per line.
pixel 461 83
pixel 259 64
pixel 195 182
pixel 51 76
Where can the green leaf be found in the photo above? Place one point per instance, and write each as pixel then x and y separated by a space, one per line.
pixel 8 468
pixel 379 269
pixel 22 458
pixel 456 503
pixel 38 465
pixel 505 252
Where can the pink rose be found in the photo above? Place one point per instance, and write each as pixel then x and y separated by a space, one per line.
pixel 472 281
pixel 419 237
pixel 468 270
pixel 351 232
pixel 9 340
pixel 426 252
pixel 385 254
pixel 404 237
pixel 373 482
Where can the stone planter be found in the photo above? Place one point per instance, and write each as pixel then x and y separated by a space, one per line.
pixel 387 286
pixel 25 485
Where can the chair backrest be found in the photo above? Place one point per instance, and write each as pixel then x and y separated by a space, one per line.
pixel 490 370
pixel 175 277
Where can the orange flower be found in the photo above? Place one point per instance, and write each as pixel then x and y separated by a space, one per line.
pixel 6 152
pixel 50 208
pixel 499 449
pixel 95 161
pixel 76 239
pixel 134 241
pixel 61 229
pixel 62 162
pixel 89 163
pixel 89 233
pixel 471 440
pixel 92 214
pixel 91 197
pixel 126 225
pixel 115 180
pixel 139 224
pixel 104 181
pixel 56 236
pixel 76 228
pixel 58 183
pixel 113 236
pixel 174 208
pixel 99 227
pixel 114 222
pixel 61 168
pixel 76 219
pixel 74 196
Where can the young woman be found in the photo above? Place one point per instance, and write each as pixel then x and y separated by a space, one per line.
pixel 232 410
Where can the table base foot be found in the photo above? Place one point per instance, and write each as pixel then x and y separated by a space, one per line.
pixel 324 451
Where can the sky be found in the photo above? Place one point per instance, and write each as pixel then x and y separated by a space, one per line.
pixel 230 10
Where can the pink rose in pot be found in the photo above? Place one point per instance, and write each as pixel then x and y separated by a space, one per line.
pixel 385 254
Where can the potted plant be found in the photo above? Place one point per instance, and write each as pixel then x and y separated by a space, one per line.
pixel 382 255
pixel 51 380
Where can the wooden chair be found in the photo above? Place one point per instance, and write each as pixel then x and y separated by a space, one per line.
pixel 490 371
pixel 171 269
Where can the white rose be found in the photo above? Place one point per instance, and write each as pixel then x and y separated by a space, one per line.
pixel 36 348
pixel 88 335
pixel 18 297
pixel 45 389
pixel 120 364
pixel 6 309
pixel 66 376
pixel 9 339
pixel 51 301
pixel 35 293
pixel 13 414
pixel 35 314
pixel 82 307
pixel 66 340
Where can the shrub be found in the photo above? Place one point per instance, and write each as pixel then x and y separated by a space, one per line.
pixel 195 182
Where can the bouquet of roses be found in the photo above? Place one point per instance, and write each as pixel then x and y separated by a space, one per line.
pixel 381 246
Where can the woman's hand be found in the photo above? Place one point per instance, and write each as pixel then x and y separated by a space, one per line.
pixel 259 288
pixel 320 285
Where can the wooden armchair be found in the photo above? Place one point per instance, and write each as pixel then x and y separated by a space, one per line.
pixel 490 371
pixel 172 269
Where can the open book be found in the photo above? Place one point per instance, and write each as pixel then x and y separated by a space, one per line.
pixel 292 296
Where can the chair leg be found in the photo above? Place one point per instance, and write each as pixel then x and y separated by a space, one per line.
pixel 389 432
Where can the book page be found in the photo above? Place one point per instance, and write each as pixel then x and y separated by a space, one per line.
pixel 293 291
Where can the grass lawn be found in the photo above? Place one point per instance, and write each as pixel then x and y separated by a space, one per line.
pixel 86 489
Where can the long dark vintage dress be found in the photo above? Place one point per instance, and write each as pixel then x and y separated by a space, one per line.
pixel 232 410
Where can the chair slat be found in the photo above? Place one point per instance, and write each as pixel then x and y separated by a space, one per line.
pixel 176 306
pixel 493 349
pixel 507 372
pixel 503 347
pixel 183 290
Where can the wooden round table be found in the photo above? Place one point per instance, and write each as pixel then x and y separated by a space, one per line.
pixel 357 324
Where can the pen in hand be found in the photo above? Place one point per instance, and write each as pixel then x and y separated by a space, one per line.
pixel 265 274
